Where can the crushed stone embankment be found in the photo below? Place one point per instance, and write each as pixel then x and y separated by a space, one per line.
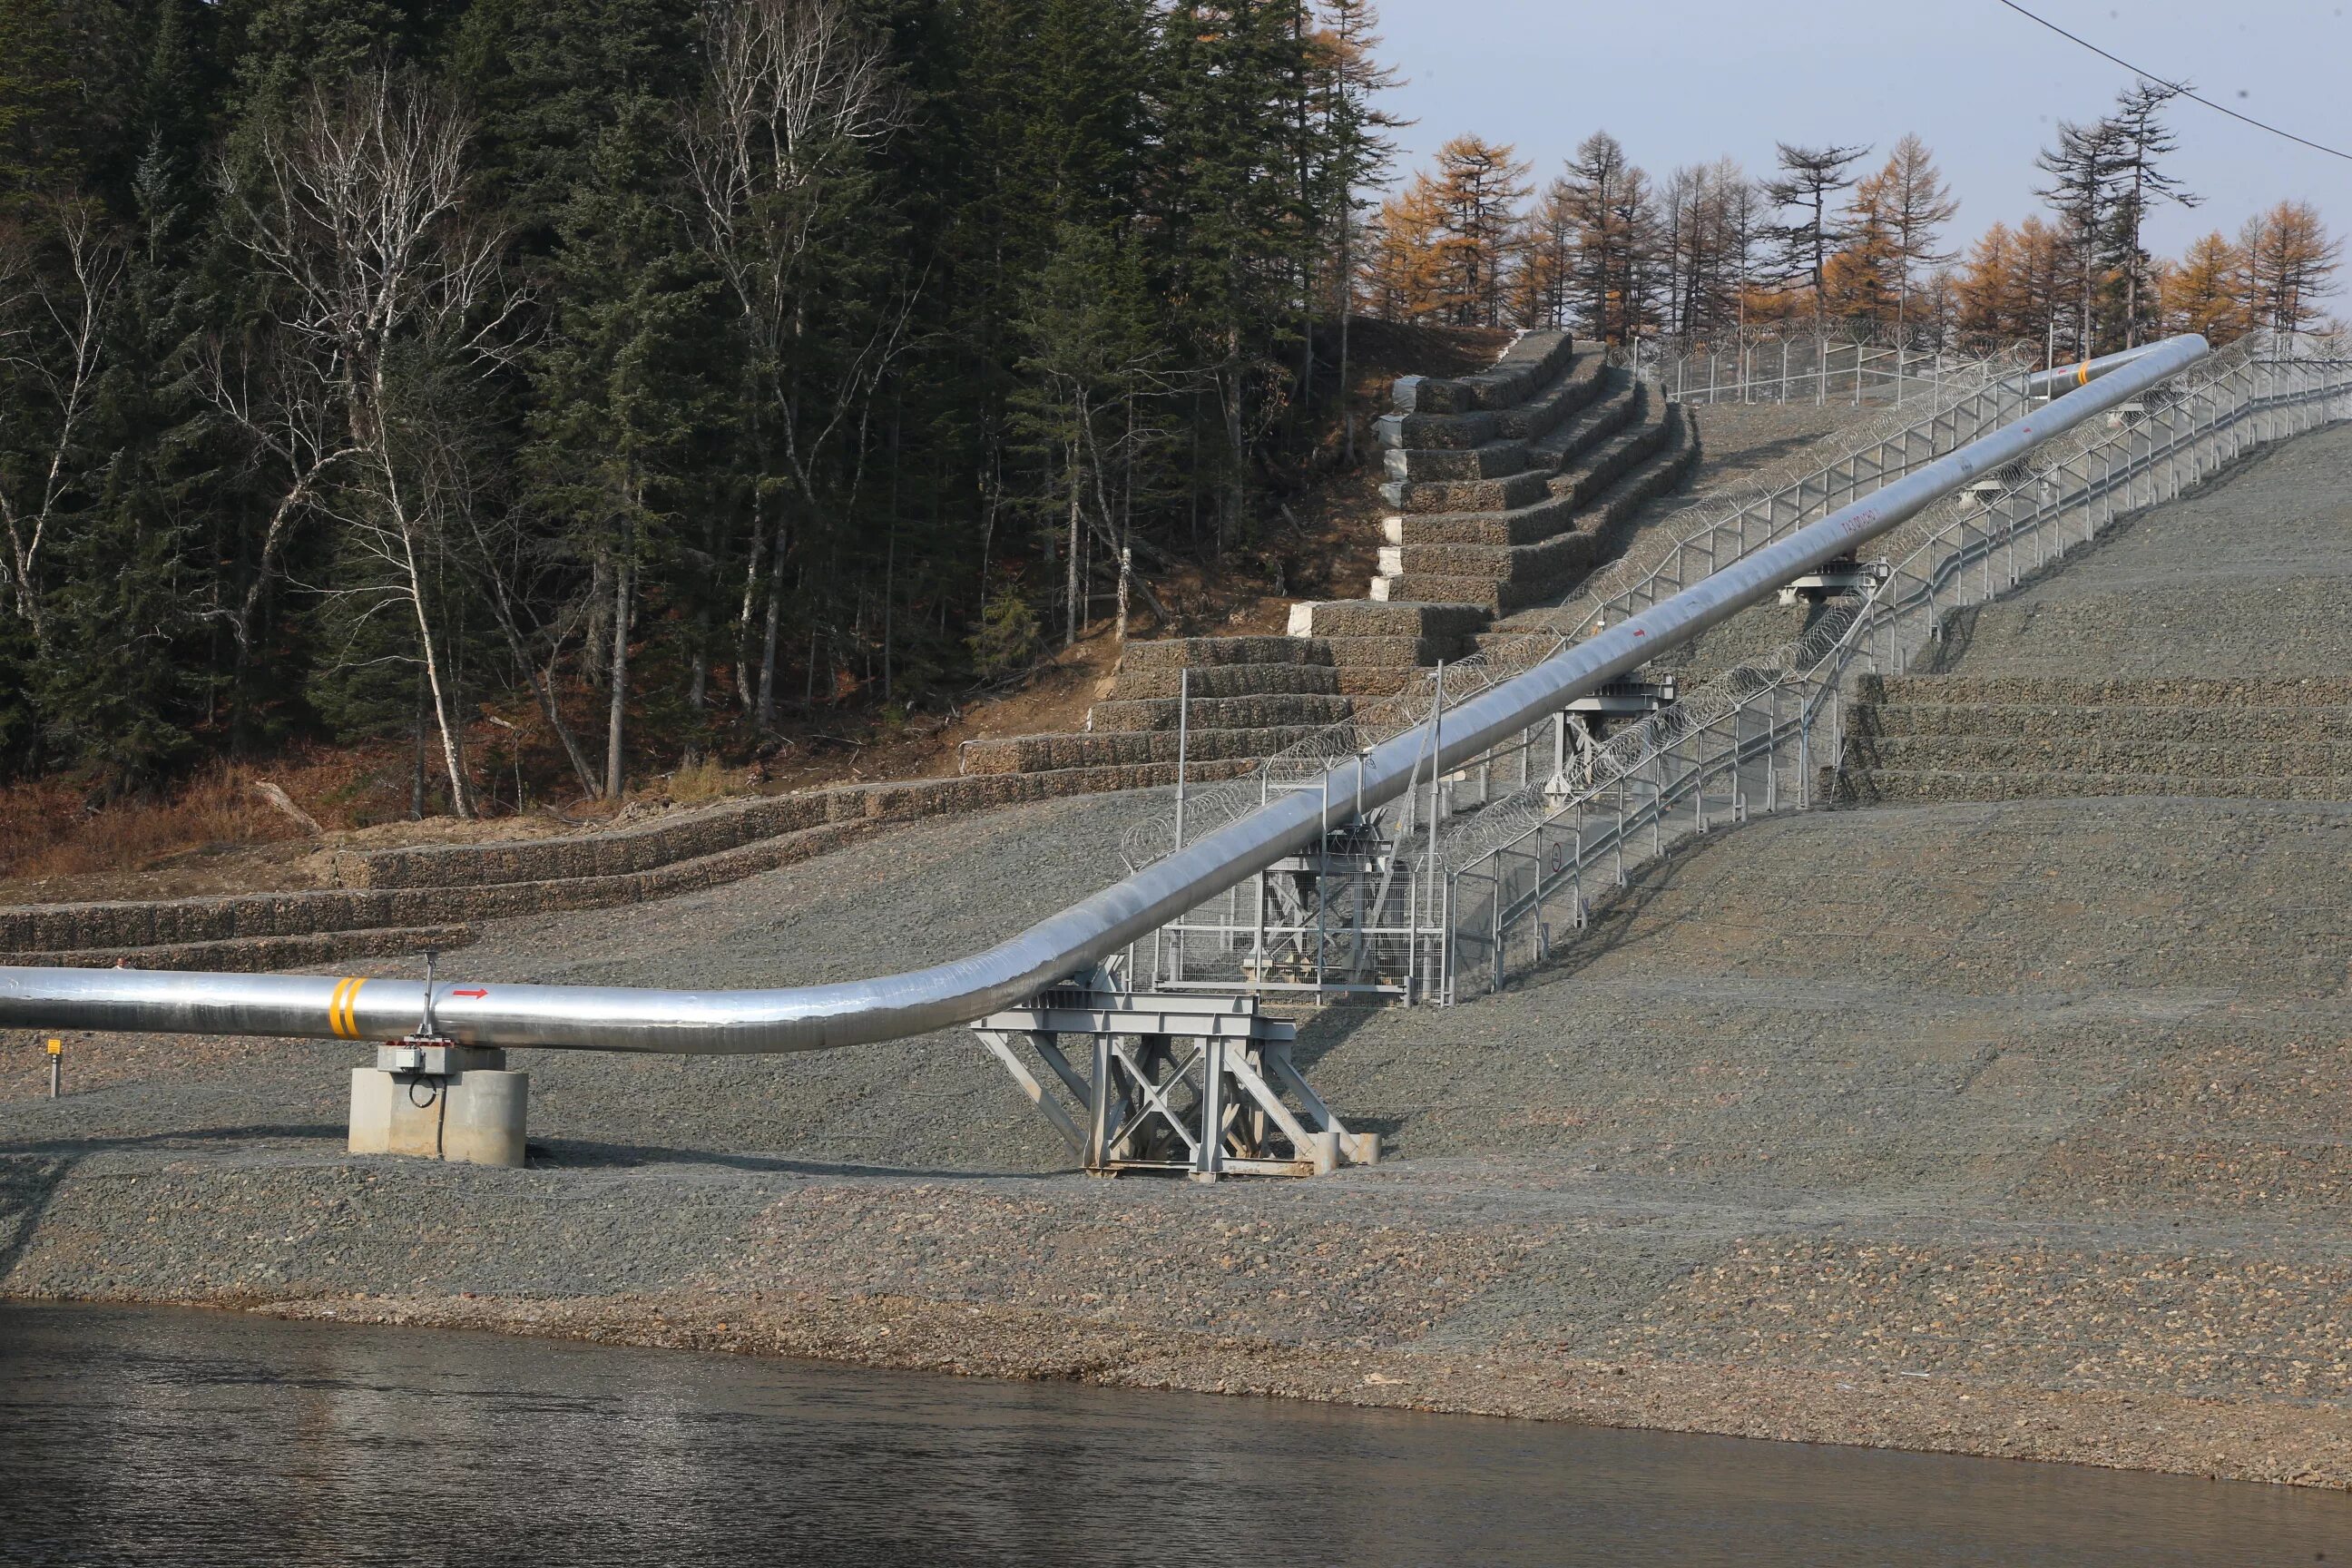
pixel 1965 1155
pixel 2005 1128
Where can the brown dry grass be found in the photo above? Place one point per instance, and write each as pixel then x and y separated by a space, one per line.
pixel 48 828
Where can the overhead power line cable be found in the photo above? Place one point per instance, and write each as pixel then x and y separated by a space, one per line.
pixel 2179 87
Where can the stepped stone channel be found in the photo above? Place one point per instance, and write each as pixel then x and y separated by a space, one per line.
pixel 1503 489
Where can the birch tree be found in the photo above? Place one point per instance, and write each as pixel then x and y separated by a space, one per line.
pixel 59 274
pixel 393 298
pixel 796 98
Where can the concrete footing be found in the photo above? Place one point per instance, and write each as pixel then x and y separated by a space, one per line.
pixel 440 1102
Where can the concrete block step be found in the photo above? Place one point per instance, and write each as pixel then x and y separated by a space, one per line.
pixel 1892 786
pixel 1530 524
pixel 1054 753
pixel 1173 653
pixel 1219 713
pixel 2151 753
pixel 1228 680
pixel 1338 618
pixel 2184 725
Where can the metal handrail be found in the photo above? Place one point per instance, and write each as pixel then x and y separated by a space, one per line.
pixel 1766 709
pixel 1691 544
pixel 820 1017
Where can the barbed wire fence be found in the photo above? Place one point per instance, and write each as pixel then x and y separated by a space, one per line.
pixel 1768 733
pixel 1802 366
pixel 1666 557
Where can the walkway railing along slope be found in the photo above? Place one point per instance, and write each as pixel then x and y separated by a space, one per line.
pixel 818 1017
pixel 1678 551
pixel 1759 736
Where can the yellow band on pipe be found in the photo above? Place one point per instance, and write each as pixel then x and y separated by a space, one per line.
pixel 342 1008
pixel 2082 374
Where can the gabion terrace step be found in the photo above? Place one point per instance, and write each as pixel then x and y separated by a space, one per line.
pixel 1599 471
pixel 1507 579
pixel 1496 572
pixel 2201 691
pixel 1515 525
pixel 1894 785
pixel 1119 715
pixel 2183 725
pixel 1208 681
pixel 1441 482
pixel 1516 377
pixel 1346 619
pixel 1390 653
pixel 1621 401
pixel 2150 751
pixel 1495 460
pixel 1959 737
pixel 1506 436
pixel 1053 753
pixel 1524 489
pixel 1171 653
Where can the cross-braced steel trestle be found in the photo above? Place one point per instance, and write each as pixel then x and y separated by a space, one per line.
pixel 1196 1084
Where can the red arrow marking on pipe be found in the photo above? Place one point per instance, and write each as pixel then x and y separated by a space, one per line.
pixel 469 993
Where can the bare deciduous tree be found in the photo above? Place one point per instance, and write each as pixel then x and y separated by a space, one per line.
pixel 796 97
pixel 58 275
pixel 392 300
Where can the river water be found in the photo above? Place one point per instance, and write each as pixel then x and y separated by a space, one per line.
pixel 162 1436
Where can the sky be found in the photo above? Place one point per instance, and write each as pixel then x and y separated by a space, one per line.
pixel 1686 82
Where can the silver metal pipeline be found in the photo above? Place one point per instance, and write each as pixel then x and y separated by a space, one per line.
pixel 822 1017
pixel 2066 378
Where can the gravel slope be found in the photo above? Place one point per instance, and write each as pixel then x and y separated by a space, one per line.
pixel 2002 1128
pixel 2246 576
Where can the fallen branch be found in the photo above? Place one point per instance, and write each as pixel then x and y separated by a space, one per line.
pixel 279 800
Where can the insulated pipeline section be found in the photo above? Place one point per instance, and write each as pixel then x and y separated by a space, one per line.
pixel 2063 379
pixel 822 1017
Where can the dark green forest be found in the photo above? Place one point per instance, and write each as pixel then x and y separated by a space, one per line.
pixel 652 372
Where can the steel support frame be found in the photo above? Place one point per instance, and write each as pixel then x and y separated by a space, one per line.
pixel 1184 1084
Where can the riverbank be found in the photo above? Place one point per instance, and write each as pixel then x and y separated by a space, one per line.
pixel 1961 1171
pixel 2005 1127
pixel 215 1438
